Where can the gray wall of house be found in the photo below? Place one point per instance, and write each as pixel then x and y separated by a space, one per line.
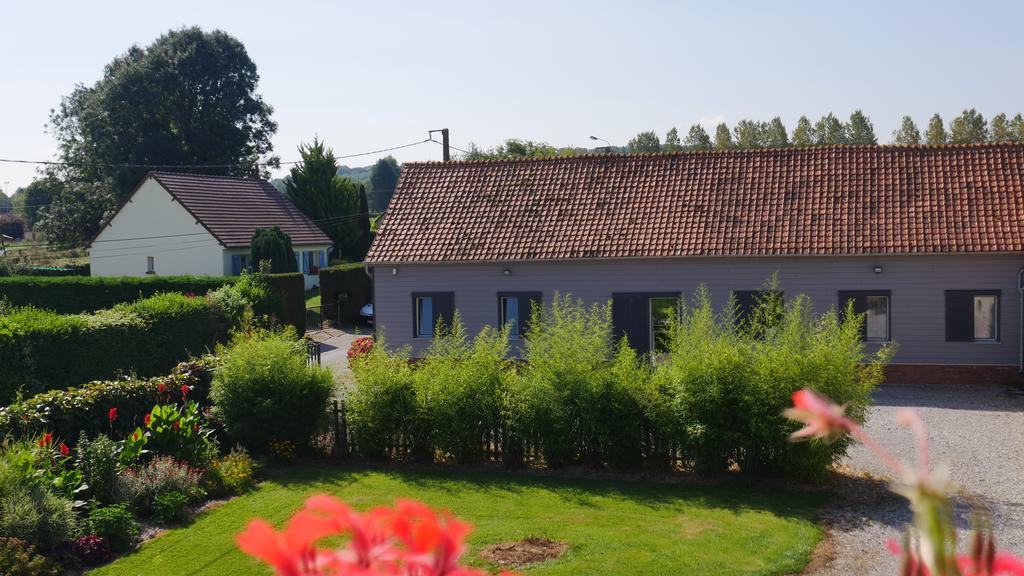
pixel 917 283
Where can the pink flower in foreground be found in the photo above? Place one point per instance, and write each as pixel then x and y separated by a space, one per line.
pixel 408 540
pixel 984 560
pixel 822 418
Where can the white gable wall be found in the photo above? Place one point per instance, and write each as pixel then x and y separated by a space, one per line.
pixel 154 224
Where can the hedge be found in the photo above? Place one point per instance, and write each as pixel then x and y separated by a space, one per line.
pixel 290 291
pixel 76 294
pixel 349 280
pixel 41 350
pixel 87 408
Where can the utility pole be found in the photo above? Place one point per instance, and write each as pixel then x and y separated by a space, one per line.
pixel 446 153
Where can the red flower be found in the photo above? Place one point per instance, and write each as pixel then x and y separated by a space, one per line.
pixel 184 391
pixel 135 436
pixel 112 415
pixel 161 388
pixel 47 439
pixel 147 418
pixel 195 427
pixel 822 418
pixel 176 425
pixel 64 450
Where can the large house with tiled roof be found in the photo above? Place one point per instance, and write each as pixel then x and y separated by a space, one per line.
pixel 175 223
pixel 926 241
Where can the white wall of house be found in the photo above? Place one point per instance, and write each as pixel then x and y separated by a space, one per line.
pixel 310 274
pixel 153 225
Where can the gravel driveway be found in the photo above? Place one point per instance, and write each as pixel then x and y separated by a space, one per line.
pixel 976 431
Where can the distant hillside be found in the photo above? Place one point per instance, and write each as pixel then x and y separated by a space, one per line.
pixel 359 174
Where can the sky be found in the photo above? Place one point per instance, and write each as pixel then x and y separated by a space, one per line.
pixel 369 75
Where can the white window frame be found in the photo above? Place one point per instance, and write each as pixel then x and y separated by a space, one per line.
pixel 888 318
pixel 150 265
pixel 995 318
pixel 419 319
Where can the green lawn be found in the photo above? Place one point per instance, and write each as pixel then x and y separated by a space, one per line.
pixel 312 297
pixel 613 527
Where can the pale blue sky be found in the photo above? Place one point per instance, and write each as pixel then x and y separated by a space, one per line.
pixel 367 75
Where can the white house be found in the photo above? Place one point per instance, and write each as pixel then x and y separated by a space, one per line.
pixel 174 224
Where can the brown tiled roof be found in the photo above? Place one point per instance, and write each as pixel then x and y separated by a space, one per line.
pixel 791 201
pixel 233 208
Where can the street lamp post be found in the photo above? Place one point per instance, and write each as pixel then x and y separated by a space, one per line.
pixel 608 147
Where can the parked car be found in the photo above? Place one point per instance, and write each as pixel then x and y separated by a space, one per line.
pixel 366 313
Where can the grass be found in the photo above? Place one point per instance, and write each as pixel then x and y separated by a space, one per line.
pixel 613 527
pixel 312 297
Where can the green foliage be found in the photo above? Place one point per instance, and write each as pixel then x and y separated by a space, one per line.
pixel 860 130
pixel 264 391
pixel 383 181
pixel 968 127
pixel 672 143
pixel 514 149
pixel 146 337
pixel 18 557
pixel 97 460
pixel 458 390
pixel 29 510
pixel 138 487
pixel 69 412
pixel 829 130
pixel 936 133
pixel 697 138
pixel 644 142
pixel 274 246
pixel 723 138
pixel 349 280
pixel 37 196
pixel 11 225
pixel 117 524
pixel 803 134
pixel 907 134
pixel 187 99
pixel 382 407
pixel 230 475
pixel 329 200
pixel 775 134
pixel 76 294
pixel 75 216
pixel 180 432
pixel 749 134
pixel 252 291
pixel 999 129
pixel 170 507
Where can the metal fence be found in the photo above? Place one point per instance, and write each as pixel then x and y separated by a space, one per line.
pixel 322 316
pixel 313 350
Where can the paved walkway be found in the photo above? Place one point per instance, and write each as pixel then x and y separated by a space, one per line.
pixel 977 432
pixel 334 345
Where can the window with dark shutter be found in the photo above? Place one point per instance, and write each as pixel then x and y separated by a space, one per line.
pixel 876 308
pixel 430 309
pixel 515 310
pixel 640 318
pixel 749 302
pixel 972 315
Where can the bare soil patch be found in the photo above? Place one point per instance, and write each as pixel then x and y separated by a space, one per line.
pixel 532 550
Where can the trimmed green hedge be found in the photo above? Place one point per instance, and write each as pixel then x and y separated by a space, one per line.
pixel 76 294
pixel 41 350
pixel 290 295
pixel 350 280
pixel 87 408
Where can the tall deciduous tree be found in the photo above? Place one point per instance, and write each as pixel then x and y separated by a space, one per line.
pixel 188 99
pixel 512 149
pixel 830 130
pixel 672 143
pixel 645 142
pixel 331 201
pixel 999 129
pixel 6 206
pixel 748 134
pixel 969 126
pixel 273 245
pixel 1017 127
pixel 35 197
pixel 775 134
pixel 860 130
pixel 697 138
pixel 936 133
pixel 907 134
pixel 73 218
pixel 383 181
pixel 723 138
pixel 803 133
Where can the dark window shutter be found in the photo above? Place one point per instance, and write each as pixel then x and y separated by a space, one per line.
pixel 860 306
pixel 959 316
pixel 630 319
pixel 745 301
pixel 527 301
pixel 444 308
pixel 236 264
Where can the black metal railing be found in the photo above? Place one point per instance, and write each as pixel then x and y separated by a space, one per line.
pixel 313 350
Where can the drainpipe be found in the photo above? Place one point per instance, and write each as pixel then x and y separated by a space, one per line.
pixel 1020 308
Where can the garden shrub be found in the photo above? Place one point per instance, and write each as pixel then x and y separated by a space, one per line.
pixel 77 294
pixel 170 507
pixel 69 412
pixel 18 557
pixel 29 509
pixel 230 475
pixel 92 550
pixel 178 326
pixel 97 460
pixel 137 487
pixel 117 525
pixel 264 391
pixel 458 390
pixel 382 407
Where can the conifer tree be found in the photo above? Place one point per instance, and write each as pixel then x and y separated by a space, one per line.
pixel 907 134
pixel 698 138
pixel 936 133
pixel 723 139
pixel 803 134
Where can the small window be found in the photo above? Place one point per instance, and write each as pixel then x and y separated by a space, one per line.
pixel 972 315
pixel 875 306
pixel 150 265
pixel 425 317
pixel 515 310
pixel 510 315
pixel 661 310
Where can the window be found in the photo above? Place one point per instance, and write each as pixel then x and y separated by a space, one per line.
pixel 240 262
pixel 515 310
pixel 972 315
pixel 429 309
pixel 875 306
pixel 661 310
pixel 150 265
pixel 756 310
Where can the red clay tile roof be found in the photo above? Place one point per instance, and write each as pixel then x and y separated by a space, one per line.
pixel 233 208
pixel 792 201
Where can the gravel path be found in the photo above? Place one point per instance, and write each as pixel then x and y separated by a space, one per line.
pixel 976 431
